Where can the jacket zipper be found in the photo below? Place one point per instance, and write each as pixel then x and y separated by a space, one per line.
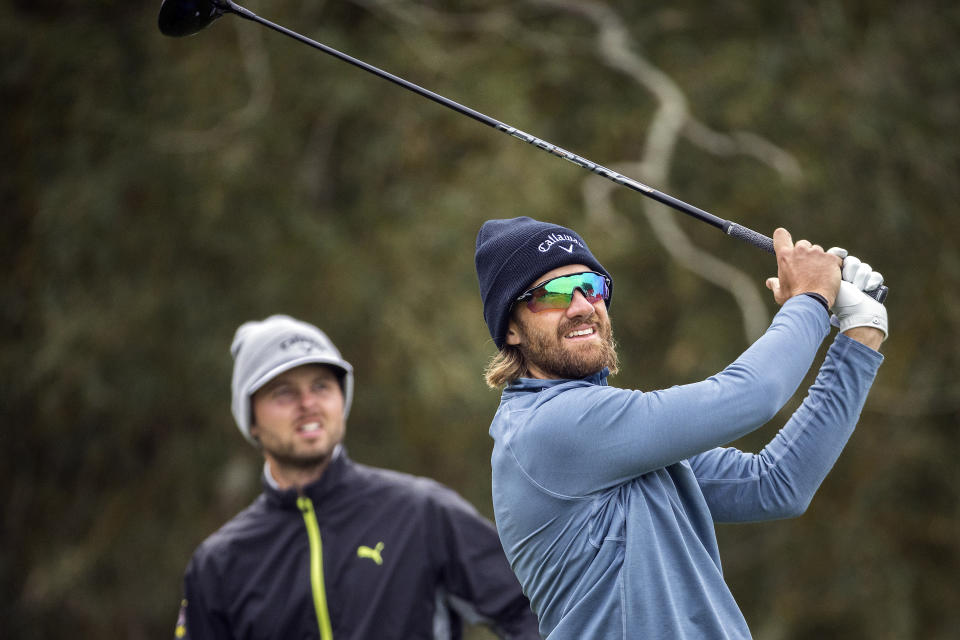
pixel 316 567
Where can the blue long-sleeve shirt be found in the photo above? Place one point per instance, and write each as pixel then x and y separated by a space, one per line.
pixel 605 498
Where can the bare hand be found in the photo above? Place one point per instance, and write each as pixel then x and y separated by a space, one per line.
pixel 803 268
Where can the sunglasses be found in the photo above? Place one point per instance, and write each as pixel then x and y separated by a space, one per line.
pixel 557 293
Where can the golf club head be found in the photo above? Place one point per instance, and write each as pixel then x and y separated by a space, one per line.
pixel 186 17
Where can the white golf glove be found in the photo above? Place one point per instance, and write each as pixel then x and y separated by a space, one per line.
pixel 854 308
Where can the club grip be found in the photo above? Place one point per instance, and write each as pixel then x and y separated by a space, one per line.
pixel 879 294
pixel 750 236
pixel 766 243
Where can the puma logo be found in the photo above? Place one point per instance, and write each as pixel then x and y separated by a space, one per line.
pixel 373 554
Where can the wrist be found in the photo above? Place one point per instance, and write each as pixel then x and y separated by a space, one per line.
pixel 819 298
pixel 868 336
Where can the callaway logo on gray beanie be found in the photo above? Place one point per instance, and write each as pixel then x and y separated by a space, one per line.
pixel 512 254
pixel 263 350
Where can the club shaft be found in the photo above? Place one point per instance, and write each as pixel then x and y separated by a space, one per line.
pixel 730 228
pixel 552 149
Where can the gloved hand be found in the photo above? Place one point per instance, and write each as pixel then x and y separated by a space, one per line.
pixel 853 308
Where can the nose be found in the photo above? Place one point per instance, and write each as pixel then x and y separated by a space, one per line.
pixel 579 306
pixel 309 398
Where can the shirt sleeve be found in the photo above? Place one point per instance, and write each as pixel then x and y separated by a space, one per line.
pixel 198 618
pixel 781 480
pixel 579 438
pixel 479 584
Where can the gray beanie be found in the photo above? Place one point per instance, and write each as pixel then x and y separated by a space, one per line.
pixel 512 253
pixel 263 350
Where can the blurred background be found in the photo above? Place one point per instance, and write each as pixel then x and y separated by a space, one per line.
pixel 158 192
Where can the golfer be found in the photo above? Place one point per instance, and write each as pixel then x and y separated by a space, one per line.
pixel 606 498
pixel 333 548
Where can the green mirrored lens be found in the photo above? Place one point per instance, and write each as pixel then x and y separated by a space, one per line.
pixel 552 300
pixel 558 292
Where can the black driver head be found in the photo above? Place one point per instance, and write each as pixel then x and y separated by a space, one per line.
pixel 186 17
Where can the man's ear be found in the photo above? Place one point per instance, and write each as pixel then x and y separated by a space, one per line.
pixel 253 418
pixel 513 333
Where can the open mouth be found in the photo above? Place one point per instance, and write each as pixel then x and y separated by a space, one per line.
pixel 580 333
pixel 309 427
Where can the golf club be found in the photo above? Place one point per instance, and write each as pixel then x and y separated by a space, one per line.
pixel 186 17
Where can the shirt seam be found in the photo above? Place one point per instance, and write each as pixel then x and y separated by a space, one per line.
pixel 536 484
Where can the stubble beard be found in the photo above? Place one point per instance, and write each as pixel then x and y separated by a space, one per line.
pixel 300 462
pixel 286 455
pixel 548 353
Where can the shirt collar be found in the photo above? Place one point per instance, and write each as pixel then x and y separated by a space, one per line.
pixel 316 490
pixel 536 384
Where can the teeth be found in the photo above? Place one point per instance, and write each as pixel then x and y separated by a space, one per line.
pixel 310 426
pixel 581 332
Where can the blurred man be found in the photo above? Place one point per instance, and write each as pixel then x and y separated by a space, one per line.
pixel 332 548
pixel 605 498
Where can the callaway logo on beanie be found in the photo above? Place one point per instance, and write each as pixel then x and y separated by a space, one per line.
pixel 265 349
pixel 512 253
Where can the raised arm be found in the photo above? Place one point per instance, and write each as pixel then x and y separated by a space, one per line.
pixel 582 438
pixel 780 481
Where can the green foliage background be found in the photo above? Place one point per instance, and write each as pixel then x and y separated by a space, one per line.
pixel 158 192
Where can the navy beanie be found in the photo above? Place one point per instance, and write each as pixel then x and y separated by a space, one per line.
pixel 512 254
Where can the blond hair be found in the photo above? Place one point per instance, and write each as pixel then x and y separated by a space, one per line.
pixel 510 364
pixel 507 365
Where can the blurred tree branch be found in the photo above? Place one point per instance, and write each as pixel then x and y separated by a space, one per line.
pixel 256 65
pixel 616 49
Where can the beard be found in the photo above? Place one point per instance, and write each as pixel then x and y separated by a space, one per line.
pixel 573 361
pixel 290 459
pixel 288 455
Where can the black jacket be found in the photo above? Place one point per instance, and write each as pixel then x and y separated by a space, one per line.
pixel 390 556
